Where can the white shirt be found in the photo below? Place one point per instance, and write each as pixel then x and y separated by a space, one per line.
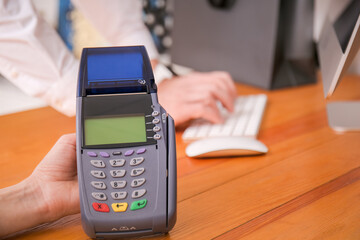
pixel 34 58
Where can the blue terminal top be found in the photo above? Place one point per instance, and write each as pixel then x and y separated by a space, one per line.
pixel 114 70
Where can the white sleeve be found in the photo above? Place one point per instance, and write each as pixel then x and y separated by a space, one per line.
pixel 34 58
pixel 119 22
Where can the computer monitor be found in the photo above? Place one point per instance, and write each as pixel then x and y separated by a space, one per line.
pixel 265 43
pixel 338 44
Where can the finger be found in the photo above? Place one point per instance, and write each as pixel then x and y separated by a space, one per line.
pixel 67 139
pixel 227 80
pixel 224 90
pixel 208 111
pixel 212 91
pixel 60 162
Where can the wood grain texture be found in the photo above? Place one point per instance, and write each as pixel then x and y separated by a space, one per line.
pixel 296 204
pixel 226 206
pixel 306 187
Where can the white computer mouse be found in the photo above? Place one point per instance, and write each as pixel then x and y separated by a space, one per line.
pixel 225 147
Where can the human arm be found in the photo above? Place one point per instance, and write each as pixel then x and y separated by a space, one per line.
pixel 49 193
pixel 34 58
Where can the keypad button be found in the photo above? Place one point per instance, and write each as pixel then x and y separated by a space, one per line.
pixel 136 161
pixel 117 162
pixel 155 121
pixel 91 154
pixel 99 196
pixel 98 185
pixel 117 173
pixel 138 193
pixel 118 184
pixel 116 153
pixel 141 150
pixel 156 128
pixel 98 174
pixel 138 204
pixel 129 153
pixel 155 113
pixel 97 163
pixel 157 136
pixel 104 154
pixel 100 207
pixel 118 195
pixel 137 171
pixel 138 182
pixel 119 207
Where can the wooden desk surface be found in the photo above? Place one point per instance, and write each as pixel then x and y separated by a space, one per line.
pixel 306 187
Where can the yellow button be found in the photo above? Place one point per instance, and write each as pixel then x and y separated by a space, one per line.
pixel 119 207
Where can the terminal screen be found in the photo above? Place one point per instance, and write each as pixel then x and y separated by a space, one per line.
pixel 114 130
pixel 114 66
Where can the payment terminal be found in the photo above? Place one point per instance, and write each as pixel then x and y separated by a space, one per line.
pixel 126 159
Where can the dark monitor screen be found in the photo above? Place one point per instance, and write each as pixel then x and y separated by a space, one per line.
pixel 345 24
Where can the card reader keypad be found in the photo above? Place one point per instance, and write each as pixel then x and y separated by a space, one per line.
pixel 107 171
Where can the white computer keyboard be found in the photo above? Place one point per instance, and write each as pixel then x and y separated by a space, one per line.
pixel 243 122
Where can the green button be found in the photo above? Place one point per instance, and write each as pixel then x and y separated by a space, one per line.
pixel 138 204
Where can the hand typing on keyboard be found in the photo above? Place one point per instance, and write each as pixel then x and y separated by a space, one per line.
pixel 244 121
pixel 195 96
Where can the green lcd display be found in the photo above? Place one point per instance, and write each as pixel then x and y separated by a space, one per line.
pixel 115 130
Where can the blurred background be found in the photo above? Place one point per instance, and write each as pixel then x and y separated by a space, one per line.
pixel 77 32
pixel 158 16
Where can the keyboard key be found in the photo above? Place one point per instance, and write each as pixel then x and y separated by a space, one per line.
pixel 229 126
pixel 141 150
pixel 138 193
pixel 100 207
pixel 249 104
pixel 240 125
pixel 91 154
pixel 190 133
pixel 118 184
pixel 203 131
pixel 129 153
pixel 137 171
pixel 118 195
pixel 119 207
pixel 239 104
pixel 138 204
pixel 98 185
pixel 138 182
pixel 97 163
pixel 99 196
pixel 117 162
pixel 215 130
pixel 117 173
pixel 98 174
pixel 136 161
pixel 104 154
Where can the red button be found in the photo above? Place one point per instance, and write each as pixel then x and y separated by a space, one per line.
pixel 101 207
